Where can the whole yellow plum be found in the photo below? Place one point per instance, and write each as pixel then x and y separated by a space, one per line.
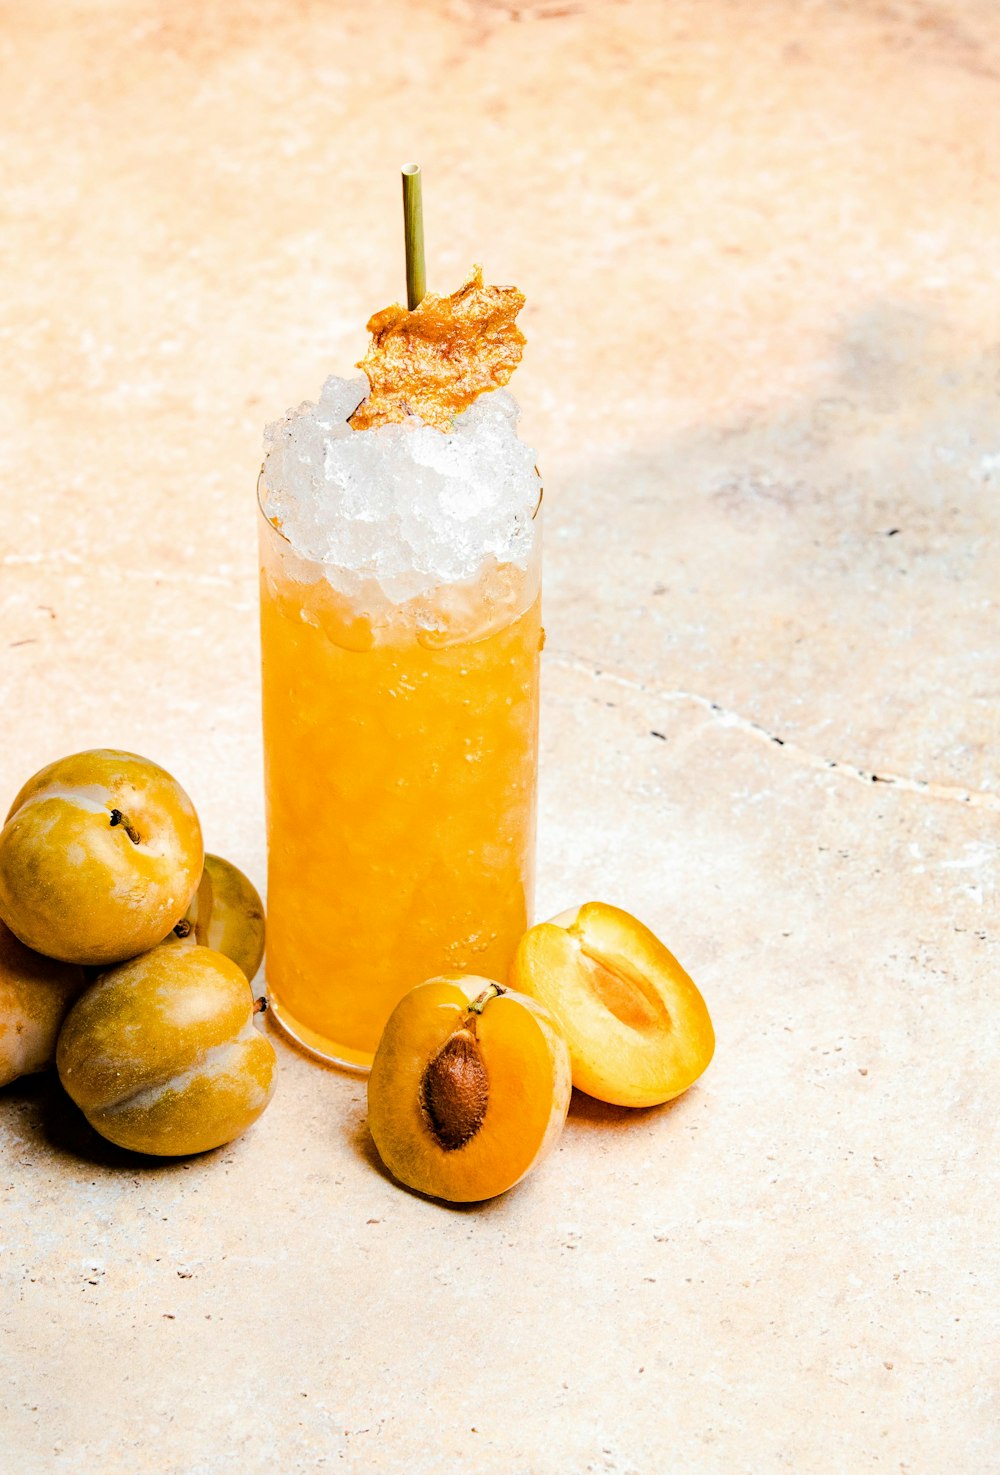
pixel 226 914
pixel 35 993
pixel 162 1055
pixel 99 857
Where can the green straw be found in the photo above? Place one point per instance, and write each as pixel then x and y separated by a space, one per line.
pixel 413 226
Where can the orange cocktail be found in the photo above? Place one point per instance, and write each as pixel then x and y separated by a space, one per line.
pixel 400 736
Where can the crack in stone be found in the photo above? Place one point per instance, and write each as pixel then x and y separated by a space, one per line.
pixel 953 793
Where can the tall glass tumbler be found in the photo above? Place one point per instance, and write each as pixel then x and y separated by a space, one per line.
pixel 401 756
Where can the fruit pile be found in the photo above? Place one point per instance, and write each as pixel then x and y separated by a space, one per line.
pixel 126 956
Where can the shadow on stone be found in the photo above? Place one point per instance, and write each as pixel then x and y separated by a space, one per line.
pixel 587 1111
pixel 50 1122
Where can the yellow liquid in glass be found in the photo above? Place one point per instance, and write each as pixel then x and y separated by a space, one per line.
pixel 400 773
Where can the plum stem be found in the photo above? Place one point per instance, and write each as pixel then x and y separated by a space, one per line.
pixel 493 992
pixel 260 1005
pixel 118 818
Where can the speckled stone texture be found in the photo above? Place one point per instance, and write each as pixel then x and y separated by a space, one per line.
pixel 759 248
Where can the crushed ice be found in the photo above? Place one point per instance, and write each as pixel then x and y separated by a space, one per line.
pixel 405 504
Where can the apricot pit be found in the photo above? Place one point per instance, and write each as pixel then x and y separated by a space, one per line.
pixel 637 1027
pixel 469 1088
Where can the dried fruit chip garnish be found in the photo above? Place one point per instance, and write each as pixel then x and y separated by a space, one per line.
pixel 436 360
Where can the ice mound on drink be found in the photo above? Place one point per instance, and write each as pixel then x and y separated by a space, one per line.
pixel 413 477
pixel 407 505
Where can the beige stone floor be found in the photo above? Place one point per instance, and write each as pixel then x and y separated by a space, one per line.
pixel 759 243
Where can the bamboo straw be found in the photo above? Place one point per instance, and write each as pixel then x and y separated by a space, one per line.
pixel 413 227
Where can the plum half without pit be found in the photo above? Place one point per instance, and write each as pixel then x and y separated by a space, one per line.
pixel 100 855
pixel 638 1029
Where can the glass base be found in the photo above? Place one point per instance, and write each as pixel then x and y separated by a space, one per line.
pixel 317 1045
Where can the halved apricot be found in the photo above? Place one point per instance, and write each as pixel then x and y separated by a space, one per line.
pixel 637 1028
pixel 469 1088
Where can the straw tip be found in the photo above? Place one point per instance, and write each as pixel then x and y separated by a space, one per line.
pixel 411 168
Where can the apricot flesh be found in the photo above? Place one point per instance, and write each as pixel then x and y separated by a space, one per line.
pixel 99 857
pixel 637 1027
pixel 226 914
pixel 469 1088
pixel 162 1054
pixel 35 994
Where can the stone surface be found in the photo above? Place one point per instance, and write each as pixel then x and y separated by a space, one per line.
pixel 759 248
